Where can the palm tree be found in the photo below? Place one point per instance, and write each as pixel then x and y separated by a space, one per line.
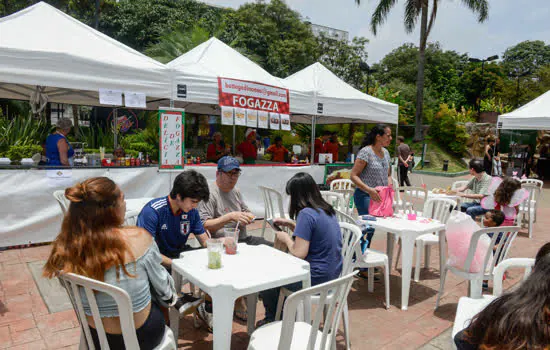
pixel 413 10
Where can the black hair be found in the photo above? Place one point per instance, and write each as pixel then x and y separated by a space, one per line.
pixel 497 216
pixel 370 138
pixel 477 165
pixel 278 138
pixel 304 193
pixel 326 133
pixel 190 184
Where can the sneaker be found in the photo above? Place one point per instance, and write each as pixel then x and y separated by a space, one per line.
pixel 187 304
pixel 205 317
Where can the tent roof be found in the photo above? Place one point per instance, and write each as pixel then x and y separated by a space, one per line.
pixel 200 68
pixel 41 45
pixel 534 115
pixel 339 99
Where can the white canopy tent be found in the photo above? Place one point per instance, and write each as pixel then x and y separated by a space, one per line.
pixel 534 115
pixel 198 70
pixel 42 46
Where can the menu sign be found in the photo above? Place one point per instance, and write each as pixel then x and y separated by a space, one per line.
pixel 171 138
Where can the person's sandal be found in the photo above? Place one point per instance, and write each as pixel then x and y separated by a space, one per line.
pixel 241 315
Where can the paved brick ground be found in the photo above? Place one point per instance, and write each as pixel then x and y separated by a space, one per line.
pixel 26 323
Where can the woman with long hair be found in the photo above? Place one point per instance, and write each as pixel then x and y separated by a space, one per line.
pixel 519 319
pixel 94 243
pixel 372 169
pixel 317 237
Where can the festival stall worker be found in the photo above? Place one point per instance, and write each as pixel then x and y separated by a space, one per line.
pixel 94 243
pixel 171 219
pixel 225 206
pixel 332 146
pixel 519 319
pixel 216 149
pixel 58 149
pixel 248 148
pixel 320 144
pixel 317 238
pixel 277 150
pixel 479 185
pixel 371 169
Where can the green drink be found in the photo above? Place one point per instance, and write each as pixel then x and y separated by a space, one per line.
pixel 214 260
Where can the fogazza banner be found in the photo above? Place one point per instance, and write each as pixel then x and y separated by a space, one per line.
pixel 251 95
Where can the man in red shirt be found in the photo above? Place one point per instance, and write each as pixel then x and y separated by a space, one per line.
pixel 332 146
pixel 320 144
pixel 247 148
pixel 277 150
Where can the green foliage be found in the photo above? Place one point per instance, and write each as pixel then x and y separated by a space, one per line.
pixel 494 105
pixel 21 131
pixel 177 42
pixel 18 152
pixel 96 137
pixel 526 57
pixel 447 127
pixel 478 83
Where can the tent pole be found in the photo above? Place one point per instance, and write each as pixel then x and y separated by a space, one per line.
pixel 312 160
pixel 115 131
pixel 234 139
pixel 395 153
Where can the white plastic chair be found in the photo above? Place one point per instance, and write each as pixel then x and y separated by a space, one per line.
pixel 438 209
pixel 347 188
pixel 273 204
pixel 458 184
pixel 130 218
pixel 73 283
pixel 467 307
pixel 414 197
pixel 527 211
pixel 351 234
pixel 539 184
pixel 337 200
pixel 491 260
pixel 59 195
pixel 290 334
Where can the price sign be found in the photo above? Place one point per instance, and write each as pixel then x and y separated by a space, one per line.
pixel 172 138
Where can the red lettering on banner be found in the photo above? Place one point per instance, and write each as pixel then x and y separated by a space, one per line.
pixel 251 95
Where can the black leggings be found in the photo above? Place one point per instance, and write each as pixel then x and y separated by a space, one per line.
pixel 149 335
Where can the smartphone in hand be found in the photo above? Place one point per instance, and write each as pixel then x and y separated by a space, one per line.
pixel 274 225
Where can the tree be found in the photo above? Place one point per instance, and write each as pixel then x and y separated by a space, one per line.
pixel 526 57
pixel 413 10
pixel 345 59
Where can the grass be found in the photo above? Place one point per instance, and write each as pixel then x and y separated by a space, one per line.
pixel 436 155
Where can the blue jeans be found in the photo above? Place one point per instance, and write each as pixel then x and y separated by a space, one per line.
pixel 362 202
pixel 270 299
pixel 472 209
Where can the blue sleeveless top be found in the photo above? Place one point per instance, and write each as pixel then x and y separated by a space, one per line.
pixel 52 153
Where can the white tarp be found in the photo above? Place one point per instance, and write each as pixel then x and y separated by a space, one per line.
pixel 534 115
pixel 197 71
pixel 335 99
pixel 30 213
pixel 41 45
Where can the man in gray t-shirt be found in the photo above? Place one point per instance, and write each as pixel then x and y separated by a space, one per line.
pixel 225 205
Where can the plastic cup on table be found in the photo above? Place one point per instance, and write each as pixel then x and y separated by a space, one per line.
pixel 411 216
pixel 231 238
pixel 214 248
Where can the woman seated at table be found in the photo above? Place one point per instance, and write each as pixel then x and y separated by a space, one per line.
pixel 93 243
pixel 519 319
pixel 317 237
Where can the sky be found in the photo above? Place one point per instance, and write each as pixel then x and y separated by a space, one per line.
pixel 456 28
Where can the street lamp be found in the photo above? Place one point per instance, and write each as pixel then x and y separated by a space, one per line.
pixel 519 75
pixel 363 66
pixel 477 60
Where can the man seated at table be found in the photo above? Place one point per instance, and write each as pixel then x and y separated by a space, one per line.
pixel 277 150
pixel 479 185
pixel 171 219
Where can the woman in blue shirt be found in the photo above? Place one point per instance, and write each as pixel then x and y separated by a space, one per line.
pixel 317 237
pixel 58 149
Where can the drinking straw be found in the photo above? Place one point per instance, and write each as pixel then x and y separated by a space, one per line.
pixel 236 228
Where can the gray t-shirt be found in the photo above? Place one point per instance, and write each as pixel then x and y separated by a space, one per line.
pixel 221 203
pixel 376 172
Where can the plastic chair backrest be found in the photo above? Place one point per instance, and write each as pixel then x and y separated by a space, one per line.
pixel 500 252
pixel 343 217
pixel 73 283
pixel 337 200
pixel 504 265
pixel 539 183
pixel 130 218
pixel 59 195
pixel 534 195
pixel 414 195
pixel 341 184
pixel 351 234
pixel 273 202
pixel 438 209
pixel 347 188
pixel 336 291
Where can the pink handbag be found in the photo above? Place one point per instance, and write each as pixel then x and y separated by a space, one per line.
pixel 384 208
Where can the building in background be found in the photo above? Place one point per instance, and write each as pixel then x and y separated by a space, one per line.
pixel 334 33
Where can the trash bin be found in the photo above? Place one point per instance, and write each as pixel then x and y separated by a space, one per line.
pixel 445 165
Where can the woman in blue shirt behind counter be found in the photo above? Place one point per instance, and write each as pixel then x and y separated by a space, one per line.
pixel 317 237
pixel 58 149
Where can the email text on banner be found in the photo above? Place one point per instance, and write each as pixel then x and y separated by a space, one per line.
pixel 245 94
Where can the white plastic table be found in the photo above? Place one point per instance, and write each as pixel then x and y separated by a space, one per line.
pixel 408 231
pixel 251 270
pixel 136 204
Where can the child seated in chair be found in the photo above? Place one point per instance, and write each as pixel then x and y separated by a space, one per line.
pixel 493 218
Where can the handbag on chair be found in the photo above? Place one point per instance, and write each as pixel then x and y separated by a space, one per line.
pixel 384 208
